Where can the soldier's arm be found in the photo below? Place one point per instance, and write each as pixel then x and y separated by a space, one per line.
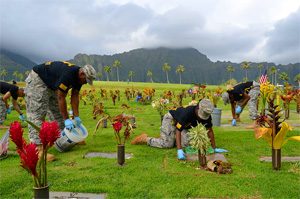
pixel 75 102
pixel 246 99
pixel 62 104
pixel 178 139
pixel 211 135
pixel 16 106
pixel 5 98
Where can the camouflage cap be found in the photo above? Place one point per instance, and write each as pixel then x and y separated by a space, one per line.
pixel 225 98
pixel 206 107
pixel 90 73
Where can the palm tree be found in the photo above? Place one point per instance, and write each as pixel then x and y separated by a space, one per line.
pixel 117 64
pixel 16 74
pixel 27 72
pixel 180 70
pixel 149 73
pixel 297 79
pixel 107 70
pixel 3 74
pixel 131 74
pixel 272 72
pixel 260 66
pixel 21 76
pixel 167 68
pixel 98 75
pixel 246 65
pixel 284 77
pixel 230 69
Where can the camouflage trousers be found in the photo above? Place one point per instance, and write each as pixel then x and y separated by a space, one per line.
pixel 3 111
pixel 41 102
pixel 168 135
pixel 252 103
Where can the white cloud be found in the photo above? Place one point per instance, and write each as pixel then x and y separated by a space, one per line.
pixel 252 30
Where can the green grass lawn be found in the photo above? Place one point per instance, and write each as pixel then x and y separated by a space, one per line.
pixel 153 172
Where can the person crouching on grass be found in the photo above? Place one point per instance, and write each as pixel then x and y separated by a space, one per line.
pixel 175 125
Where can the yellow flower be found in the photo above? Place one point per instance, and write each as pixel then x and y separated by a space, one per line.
pixel 278 141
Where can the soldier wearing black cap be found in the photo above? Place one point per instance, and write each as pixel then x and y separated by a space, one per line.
pixel 176 124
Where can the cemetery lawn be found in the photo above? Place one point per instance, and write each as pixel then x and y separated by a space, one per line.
pixel 153 172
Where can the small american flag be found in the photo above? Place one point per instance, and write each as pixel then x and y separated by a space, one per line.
pixel 263 78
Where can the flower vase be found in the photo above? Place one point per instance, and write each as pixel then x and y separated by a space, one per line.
pixel 287 114
pixel 161 119
pixel 201 159
pixel 41 192
pixel 104 123
pixel 118 98
pixel 276 159
pixel 298 108
pixel 121 154
pixel 114 103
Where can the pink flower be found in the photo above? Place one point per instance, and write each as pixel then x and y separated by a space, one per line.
pixel 117 126
pixel 30 158
pixel 16 135
pixel 49 133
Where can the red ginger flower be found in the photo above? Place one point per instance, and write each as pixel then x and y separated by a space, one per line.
pixel 16 135
pixel 117 126
pixel 30 158
pixel 49 133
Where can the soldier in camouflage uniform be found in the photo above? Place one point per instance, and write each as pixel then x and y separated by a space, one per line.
pixel 175 126
pixel 47 86
pixel 242 94
pixel 14 91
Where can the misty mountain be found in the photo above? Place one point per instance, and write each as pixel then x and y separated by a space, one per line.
pixel 198 68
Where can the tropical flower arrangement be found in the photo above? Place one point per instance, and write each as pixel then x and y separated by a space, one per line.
pixel 215 96
pixel 118 122
pixel 287 96
pixel 297 99
pixel 273 131
pixel 160 106
pixel 199 138
pixel 266 90
pixel 29 153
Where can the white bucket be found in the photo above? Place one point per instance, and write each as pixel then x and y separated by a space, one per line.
pixel 68 139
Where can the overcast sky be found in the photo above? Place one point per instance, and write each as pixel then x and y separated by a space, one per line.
pixel 224 30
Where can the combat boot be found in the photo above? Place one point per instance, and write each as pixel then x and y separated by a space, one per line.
pixel 253 125
pixel 50 157
pixel 143 138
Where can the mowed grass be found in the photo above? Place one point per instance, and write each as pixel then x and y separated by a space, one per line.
pixel 153 172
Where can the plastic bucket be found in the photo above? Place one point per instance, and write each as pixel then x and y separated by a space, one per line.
pixel 68 139
pixel 216 116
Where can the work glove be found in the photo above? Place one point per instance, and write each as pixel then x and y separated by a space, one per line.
pixel 69 124
pixel 8 111
pixel 78 121
pixel 233 122
pixel 180 154
pixel 238 110
pixel 22 117
pixel 218 150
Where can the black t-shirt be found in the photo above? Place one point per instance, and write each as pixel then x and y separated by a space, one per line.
pixel 59 75
pixel 239 90
pixel 185 118
pixel 13 89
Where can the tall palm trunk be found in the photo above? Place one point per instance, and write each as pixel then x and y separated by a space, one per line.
pixel 167 76
pixel 118 74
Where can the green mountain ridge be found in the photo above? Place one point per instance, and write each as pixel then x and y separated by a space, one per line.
pixel 198 68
